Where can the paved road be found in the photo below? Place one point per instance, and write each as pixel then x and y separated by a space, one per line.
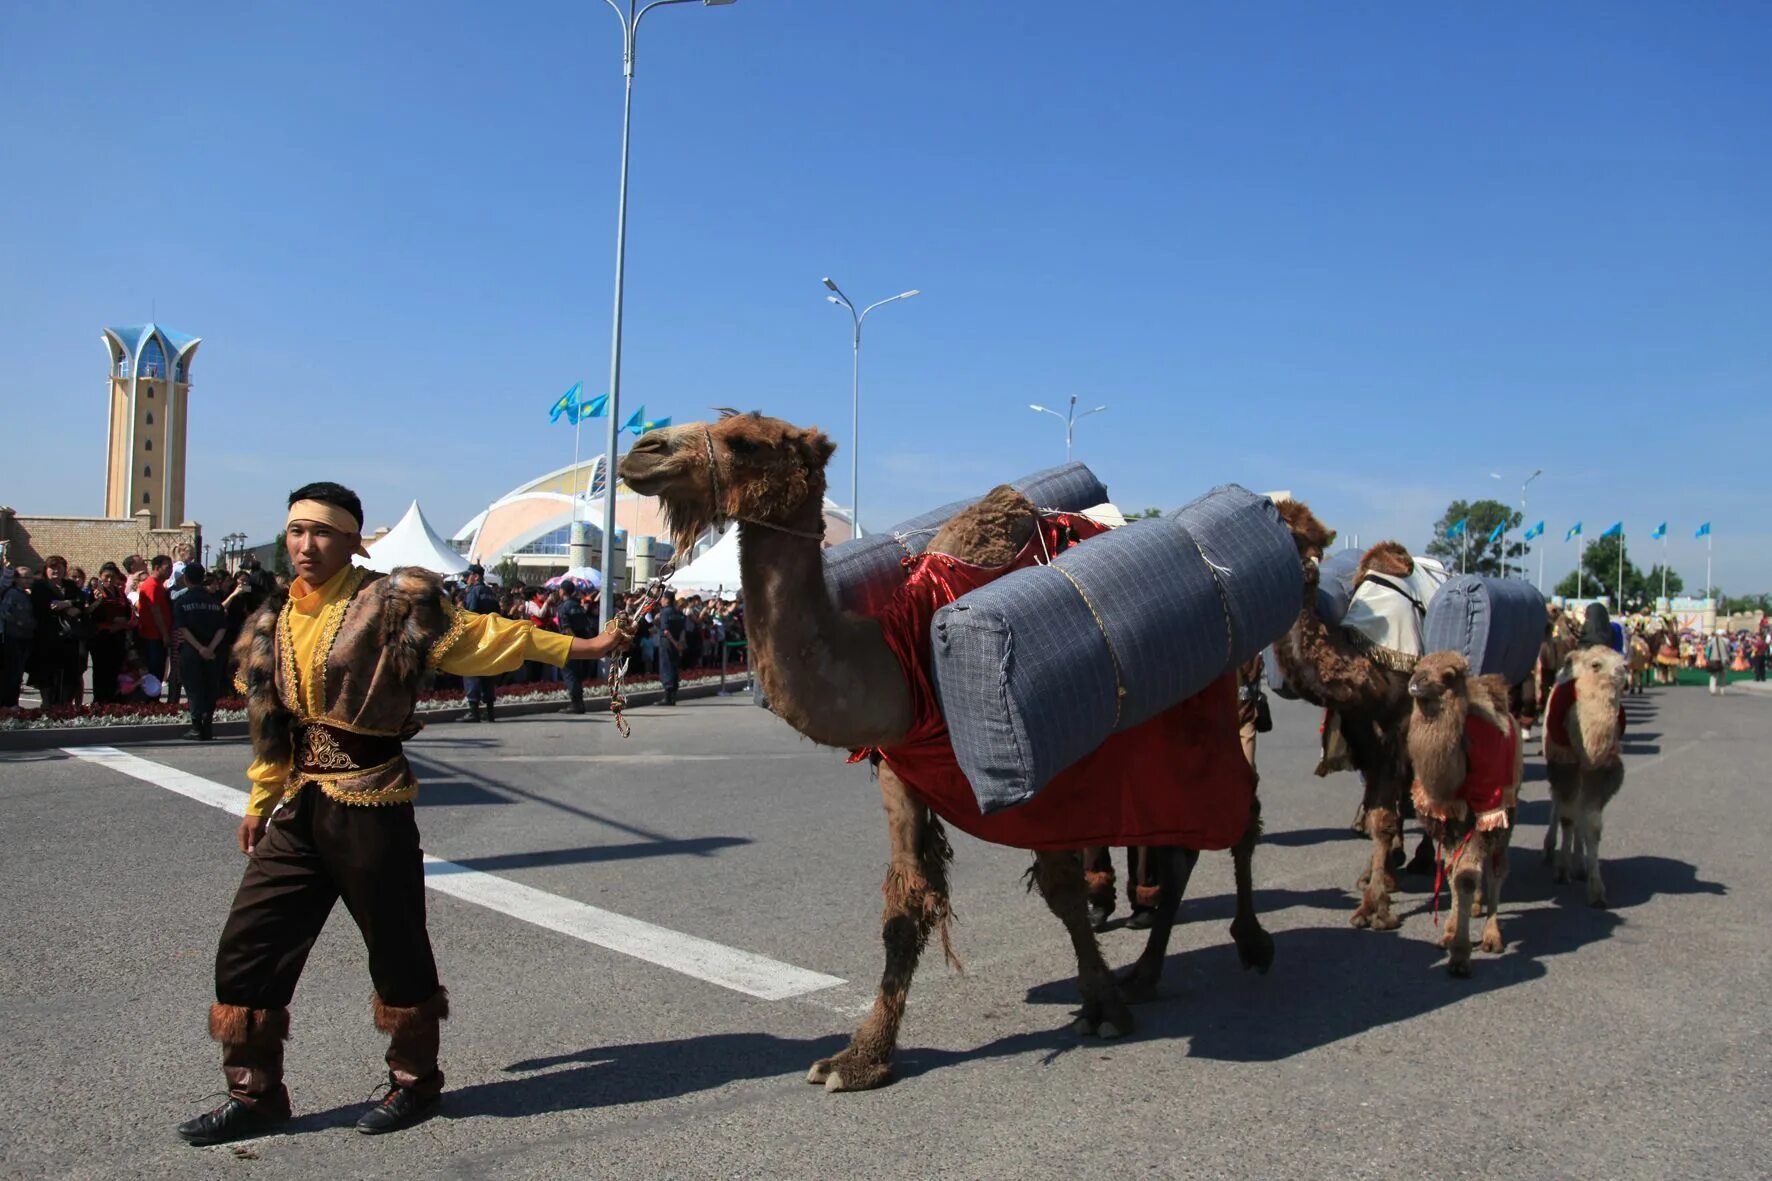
pixel 1626 1043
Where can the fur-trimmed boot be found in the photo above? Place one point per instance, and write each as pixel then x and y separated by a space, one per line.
pixel 252 1062
pixel 414 1080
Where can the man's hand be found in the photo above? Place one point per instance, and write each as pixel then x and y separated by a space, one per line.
pixel 252 830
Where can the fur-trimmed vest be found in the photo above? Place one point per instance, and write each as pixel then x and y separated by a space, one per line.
pixel 374 646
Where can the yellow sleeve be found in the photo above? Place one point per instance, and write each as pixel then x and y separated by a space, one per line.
pixel 269 782
pixel 485 645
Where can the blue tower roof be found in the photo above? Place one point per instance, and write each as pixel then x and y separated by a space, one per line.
pixel 134 338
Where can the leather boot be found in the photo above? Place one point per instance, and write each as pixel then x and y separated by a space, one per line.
pixel 252 1062
pixel 415 1082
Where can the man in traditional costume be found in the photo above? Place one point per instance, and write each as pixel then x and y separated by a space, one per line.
pixel 332 674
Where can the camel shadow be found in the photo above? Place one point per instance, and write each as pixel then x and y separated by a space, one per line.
pixel 1630 881
pixel 1300 838
pixel 611 1076
pixel 590 854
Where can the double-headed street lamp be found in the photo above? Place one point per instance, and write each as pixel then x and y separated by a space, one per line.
pixel 1524 485
pixel 1069 420
pixel 837 297
pixel 630 28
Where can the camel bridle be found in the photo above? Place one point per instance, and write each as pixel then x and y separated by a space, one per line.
pixel 718 513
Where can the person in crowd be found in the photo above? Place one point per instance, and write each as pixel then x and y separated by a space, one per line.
pixel 571 619
pixel 201 625
pixel 238 603
pixel 332 679
pixel 1716 661
pixel 154 615
pixel 56 603
pixel 112 622
pixel 1758 646
pixel 18 628
pixel 478 599
pixel 671 628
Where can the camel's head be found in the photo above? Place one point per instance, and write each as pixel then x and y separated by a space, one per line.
pixel 1312 537
pixel 1439 681
pixel 1598 667
pixel 743 467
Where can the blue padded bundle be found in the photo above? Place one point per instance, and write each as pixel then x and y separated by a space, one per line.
pixel 1495 623
pixel 1031 668
pixel 862 575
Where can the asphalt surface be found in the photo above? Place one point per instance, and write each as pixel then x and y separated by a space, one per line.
pixel 1619 1044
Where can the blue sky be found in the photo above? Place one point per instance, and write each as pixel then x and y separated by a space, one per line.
pixel 1365 252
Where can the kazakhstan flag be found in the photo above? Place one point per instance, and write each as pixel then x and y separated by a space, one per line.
pixel 1574 532
pixel 565 405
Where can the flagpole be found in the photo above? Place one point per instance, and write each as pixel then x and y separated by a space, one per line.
pixel 1707 553
pixel 1580 562
pixel 1621 573
pixel 1664 564
pixel 577 421
pixel 1541 550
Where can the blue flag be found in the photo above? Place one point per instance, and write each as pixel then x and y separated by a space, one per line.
pixel 1703 530
pixel 1496 534
pixel 567 402
pixel 1660 532
pixel 1456 528
pixel 597 407
pixel 1536 531
pixel 634 420
pixel 1574 532
pixel 1617 530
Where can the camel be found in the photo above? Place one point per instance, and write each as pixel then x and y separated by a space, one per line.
pixel 831 676
pixel 1466 789
pixel 1642 663
pixel 1584 730
pixel 1327 667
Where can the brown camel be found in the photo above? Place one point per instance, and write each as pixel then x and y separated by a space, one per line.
pixel 1444 749
pixel 1328 667
pixel 1583 739
pixel 832 677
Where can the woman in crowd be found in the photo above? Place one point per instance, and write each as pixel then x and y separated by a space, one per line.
pixel 113 619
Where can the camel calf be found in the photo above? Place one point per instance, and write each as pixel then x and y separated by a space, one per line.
pixel 1583 733
pixel 1467 755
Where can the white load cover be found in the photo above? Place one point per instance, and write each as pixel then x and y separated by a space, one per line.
pixel 1389 611
pixel 413 543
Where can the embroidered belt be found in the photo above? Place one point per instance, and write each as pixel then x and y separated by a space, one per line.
pixel 328 752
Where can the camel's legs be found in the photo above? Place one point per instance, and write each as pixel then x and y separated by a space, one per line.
pixel 1059 877
pixel 1255 947
pixel 1175 866
pixel 1550 831
pixel 1467 877
pixel 916 891
pixel 1494 873
pixel 1374 910
pixel 1566 826
pixel 1590 835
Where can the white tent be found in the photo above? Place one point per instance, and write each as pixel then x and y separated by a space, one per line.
pixel 716 571
pixel 413 543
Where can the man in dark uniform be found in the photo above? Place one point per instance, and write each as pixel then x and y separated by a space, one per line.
pixel 200 624
pixel 575 621
pixel 670 646
pixel 480 599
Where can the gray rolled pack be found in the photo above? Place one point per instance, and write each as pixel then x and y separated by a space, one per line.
pixel 1495 623
pixel 863 575
pixel 1037 669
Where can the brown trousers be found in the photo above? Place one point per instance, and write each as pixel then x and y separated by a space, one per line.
pixel 313 854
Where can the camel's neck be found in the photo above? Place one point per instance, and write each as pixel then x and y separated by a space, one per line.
pixel 1325 668
pixel 1436 749
pixel 829 674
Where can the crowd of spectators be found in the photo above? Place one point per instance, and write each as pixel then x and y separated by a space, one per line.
pixel 148 629
pixel 162 629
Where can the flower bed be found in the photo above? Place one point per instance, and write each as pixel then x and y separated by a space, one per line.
pixel 233 709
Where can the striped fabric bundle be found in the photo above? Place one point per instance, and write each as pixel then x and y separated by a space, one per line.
pixel 1038 668
pixel 1495 623
pixel 863 575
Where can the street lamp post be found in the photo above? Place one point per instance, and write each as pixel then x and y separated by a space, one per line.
pixel 1527 483
pixel 1069 420
pixel 837 297
pixel 630 27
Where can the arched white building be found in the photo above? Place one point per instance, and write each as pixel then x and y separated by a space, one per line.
pixel 532 523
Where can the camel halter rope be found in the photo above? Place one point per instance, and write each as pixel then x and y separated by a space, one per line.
pixel 656 586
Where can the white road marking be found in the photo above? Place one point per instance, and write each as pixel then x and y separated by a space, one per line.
pixel 729 967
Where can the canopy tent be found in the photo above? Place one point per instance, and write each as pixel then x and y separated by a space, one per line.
pixel 715 572
pixel 413 543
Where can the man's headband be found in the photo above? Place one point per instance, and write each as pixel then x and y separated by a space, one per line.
pixel 330 515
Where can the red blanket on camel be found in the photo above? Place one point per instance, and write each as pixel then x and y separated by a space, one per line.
pixel 1178 779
